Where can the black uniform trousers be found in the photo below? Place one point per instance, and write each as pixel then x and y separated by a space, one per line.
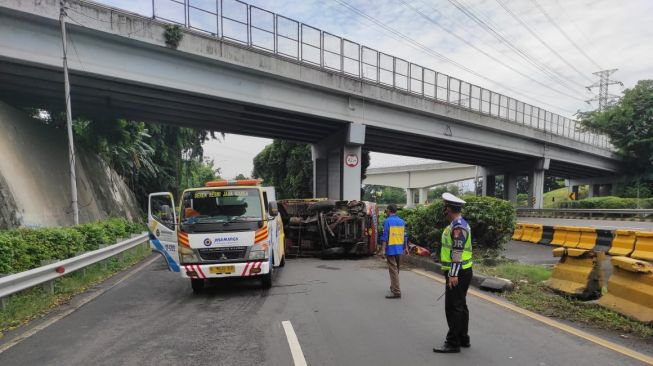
pixel 455 307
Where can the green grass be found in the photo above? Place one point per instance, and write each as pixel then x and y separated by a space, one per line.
pixel 531 294
pixel 561 195
pixel 34 303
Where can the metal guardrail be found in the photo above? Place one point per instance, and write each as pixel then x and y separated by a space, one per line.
pixel 252 27
pixel 587 212
pixel 21 281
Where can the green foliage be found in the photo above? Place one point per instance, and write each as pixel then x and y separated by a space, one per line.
pixel 436 193
pixel 492 221
pixel 607 202
pixel 384 194
pixel 173 35
pixel 628 124
pixel 197 173
pixel 241 176
pixel 288 166
pixel 23 249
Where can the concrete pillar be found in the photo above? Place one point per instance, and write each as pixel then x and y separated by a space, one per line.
pixel 337 164
pixel 489 185
pixel 410 197
pixel 510 188
pixel 423 195
pixel 536 188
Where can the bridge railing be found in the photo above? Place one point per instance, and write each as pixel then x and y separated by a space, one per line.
pixel 250 26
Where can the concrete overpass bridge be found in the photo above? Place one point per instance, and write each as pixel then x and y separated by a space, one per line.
pixel 278 78
pixel 419 177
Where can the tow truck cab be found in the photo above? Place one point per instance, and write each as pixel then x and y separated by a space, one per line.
pixel 224 229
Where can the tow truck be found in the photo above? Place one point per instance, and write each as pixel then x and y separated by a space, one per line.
pixel 224 229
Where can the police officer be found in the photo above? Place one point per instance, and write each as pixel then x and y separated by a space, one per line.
pixel 393 246
pixel 456 258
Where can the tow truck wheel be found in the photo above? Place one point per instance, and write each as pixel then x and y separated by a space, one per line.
pixel 283 261
pixel 197 284
pixel 266 279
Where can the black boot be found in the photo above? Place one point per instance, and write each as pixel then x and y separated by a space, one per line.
pixel 447 348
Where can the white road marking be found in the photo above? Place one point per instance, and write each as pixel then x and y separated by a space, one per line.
pixel 295 348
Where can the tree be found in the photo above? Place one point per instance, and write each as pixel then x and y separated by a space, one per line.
pixel 241 176
pixel 436 193
pixel 384 194
pixel 288 166
pixel 629 125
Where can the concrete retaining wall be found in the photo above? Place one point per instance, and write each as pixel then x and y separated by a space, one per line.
pixel 35 183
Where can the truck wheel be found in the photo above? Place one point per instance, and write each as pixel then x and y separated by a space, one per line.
pixel 266 279
pixel 197 284
pixel 283 261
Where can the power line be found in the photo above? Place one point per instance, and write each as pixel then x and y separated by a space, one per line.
pixel 555 24
pixel 426 49
pixel 483 52
pixel 521 21
pixel 487 26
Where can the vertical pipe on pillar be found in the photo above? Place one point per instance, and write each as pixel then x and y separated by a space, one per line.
pixel 423 195
pixel 536 188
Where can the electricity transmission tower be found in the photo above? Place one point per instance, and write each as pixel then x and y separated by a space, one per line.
pixel 604 98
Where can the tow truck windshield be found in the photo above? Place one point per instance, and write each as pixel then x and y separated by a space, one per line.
pixel 221 207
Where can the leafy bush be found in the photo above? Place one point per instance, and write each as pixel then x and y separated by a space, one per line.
pixel 23 249
pixel 492 221
pixel 606 202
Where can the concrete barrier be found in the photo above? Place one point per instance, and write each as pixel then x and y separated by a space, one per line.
pixel 572 237
pixel 623 243
pixel 578 273
pixel 536 234
pixel 559 234
pixel 528 232
pixel 604 240
pixel 547 235
pixel 519 231
pixel 587 238
pixel 643 246
pixel 630 289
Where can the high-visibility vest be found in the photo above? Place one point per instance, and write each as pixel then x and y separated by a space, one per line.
pixel 447 244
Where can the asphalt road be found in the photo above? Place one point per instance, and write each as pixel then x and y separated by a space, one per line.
pixel 529 253
pixel 337 309
pixel 599 224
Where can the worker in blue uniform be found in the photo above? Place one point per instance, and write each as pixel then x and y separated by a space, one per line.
pixel 394 244
pixel 456 259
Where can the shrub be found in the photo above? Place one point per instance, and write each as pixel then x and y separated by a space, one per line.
pixel 492 221
pixel 24 249
pixel 604 202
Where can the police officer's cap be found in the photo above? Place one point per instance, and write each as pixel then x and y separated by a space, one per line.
pixel 451 200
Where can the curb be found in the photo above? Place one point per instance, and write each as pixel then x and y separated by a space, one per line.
pixel 483 282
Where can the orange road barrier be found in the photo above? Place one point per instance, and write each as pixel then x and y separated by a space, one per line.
pixel 578 273
pixel 643 246
pixel 572 238
pixel 588 238
pixel 528 232
pixel 623 243
pixel 630 289
pixel 536 235
pixel 519 231
pixel 559 234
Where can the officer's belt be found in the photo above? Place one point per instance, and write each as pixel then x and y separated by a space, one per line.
pixel 448 264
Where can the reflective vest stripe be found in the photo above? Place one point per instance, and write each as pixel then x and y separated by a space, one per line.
pixel 447 243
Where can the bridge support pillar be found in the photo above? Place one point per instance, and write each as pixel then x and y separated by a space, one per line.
pixel 536 188
pixel 489 184
pixel 423 195
pixel 337 164
pixel 510 187
pixel 410 197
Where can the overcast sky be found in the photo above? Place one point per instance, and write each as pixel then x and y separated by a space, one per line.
pixel 601 34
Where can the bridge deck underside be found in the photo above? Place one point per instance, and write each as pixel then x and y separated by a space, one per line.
pixel 98 98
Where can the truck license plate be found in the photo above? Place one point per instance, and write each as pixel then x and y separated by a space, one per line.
pixel 223 269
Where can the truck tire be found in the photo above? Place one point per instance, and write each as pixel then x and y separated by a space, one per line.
pixel 283 261
pixel 266 279
pixel 197 284
pixel 323 206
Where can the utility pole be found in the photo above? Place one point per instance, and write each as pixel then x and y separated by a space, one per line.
pixel 69 120
pixel 604 98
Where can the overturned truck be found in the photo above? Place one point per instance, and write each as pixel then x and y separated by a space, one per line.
pixel 324 228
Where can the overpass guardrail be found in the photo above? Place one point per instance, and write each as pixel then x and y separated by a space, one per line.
pixel 23 280
pixel 586 213
pixel 251 27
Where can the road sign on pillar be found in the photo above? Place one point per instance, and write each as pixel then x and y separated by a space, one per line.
pixel 572 196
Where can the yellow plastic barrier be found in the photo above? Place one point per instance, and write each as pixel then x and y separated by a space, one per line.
pixel 623 243
pixel 528 232
pixel 559 234
pixel 578 273
pixel 630 289
pixel 587 238
pixel 643 246
pixel 519 231
pixel 572 238
pixel 536 235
